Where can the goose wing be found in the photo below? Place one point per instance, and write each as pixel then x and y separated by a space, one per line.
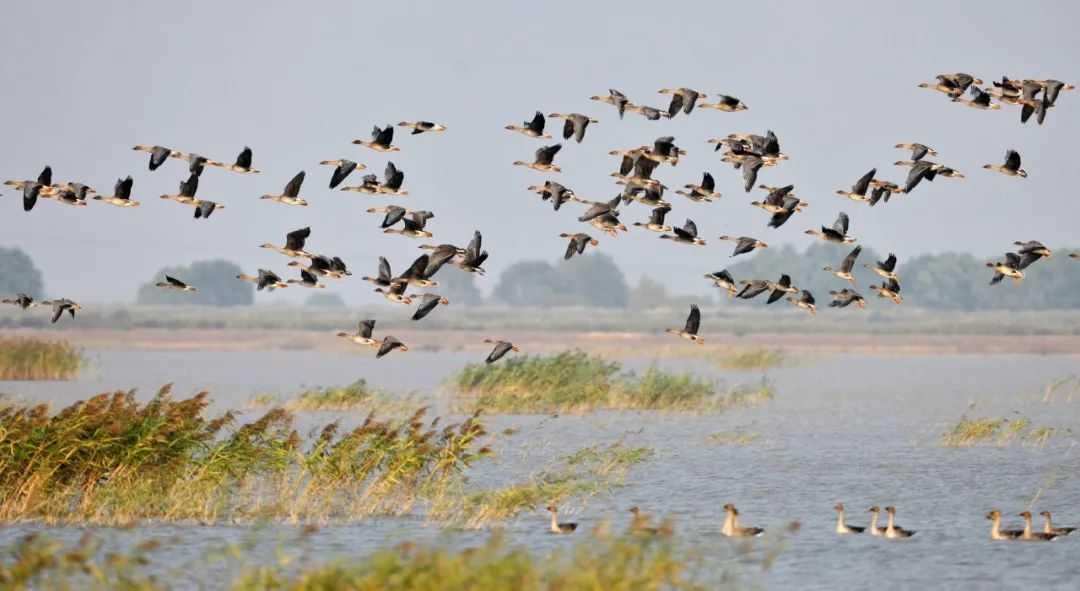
pixel 394 214
pixel 841 224
pixel 676 104
pixel 546 154
pixel 500 350
pixel 384 271
pixel 849 261
pixel 175 282
pixel 889 264
pixel 243 160
pixel 122 188
pixel 307 277
pixel 919 151
pixel 383 136
pixel 365 328
pixel 693 320
pixel 750 167
pixel 657 215
pixel 341 172
pixel 190 186
pixel 295 240
pixel 293 188
pixel 1012 160
pixel 389 343
pixel 393 176
pixel 860 186
pixel 537 123
pixel 158 156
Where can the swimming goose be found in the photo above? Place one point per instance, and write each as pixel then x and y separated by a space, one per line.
pixel 380 139
pixel 290 196
pixel 158 154
pixel 266 279
pixel 996 533
pixel 1010 268
pixel 981 100
pixel 682 99
pixel 533 128
pixel 885 268
pixel 688 234
pixel 895 531
pixel 733 528
pixel 844 272
pixel 342 169
pixel 723 280
pixel 918 151
pixel 844 298
pixel 639 524
pixel 294 244
pixel 500 350
pixel 615 98
pixel 805 301
pixel 1034 535
pixel 559 528
pixel 542 159
pixel 417 275
pixel 729 104
pixel 21 300
pixel 428 302
pixel 474 256
pixel 843 528
pixel 60 306
pixel 650 113
pixel 693 324
pixel 752 288
pixel 176 284
pixel 1048 526
pixel 413 225
pixel 703 192
pixel 575 125
pixel 363 334
pixel 422 126
pixel 744 244
pixel 837 233
pixel 577 244
pixel 858 190
pixel 121 196
pixel 307 279
pixel 389 343
pixel 656 220
pixel 383 278
pixel 1011 166
pixel 875 530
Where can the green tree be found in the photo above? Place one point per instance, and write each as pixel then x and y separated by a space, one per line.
pixel 597 280
pixel 18 274
pixel 458 287
pixel 588 280
pixel 215 281
pixel 533 283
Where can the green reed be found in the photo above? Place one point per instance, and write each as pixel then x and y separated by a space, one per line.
pixel 28 358
pixel 970 432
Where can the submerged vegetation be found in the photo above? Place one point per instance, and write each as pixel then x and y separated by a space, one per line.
pixel 738 437
pixel 356 395
pixel 574 381
pixel 28 358
pixel 969 432
pixel 1068 387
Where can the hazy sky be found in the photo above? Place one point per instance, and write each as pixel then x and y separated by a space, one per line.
pixel 298 82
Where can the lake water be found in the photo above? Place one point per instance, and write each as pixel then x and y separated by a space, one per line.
pixel 858 430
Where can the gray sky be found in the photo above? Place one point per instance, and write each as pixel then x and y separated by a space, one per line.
pixel 835 80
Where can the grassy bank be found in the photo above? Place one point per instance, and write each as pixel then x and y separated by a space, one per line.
pixel 574 381
pixel 28 358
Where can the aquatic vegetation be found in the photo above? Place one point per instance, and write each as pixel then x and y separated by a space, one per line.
pixel 356 395
pixel 1051 390
pixel 754 360
pixel 28 358
pixel 576 382
pixel 968 432
pixel 737 437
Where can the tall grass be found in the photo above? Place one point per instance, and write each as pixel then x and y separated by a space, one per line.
pixel 576 382
pixel 754 360
pixel 356 395
pixel 27 358
pixel 969 432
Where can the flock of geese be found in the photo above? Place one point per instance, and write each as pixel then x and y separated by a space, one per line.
pixel 732 527
pixel 747 153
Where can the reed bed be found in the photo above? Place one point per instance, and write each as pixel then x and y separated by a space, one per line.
pixel 574 381
pixel 971 432
pixel 113 460
pixel 356 395
pixel 755 360
pixel 28 358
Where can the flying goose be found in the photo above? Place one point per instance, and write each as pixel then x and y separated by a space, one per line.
pixel 44 179
pixel 158 154
pixel 953 84
pixel 21 300
pixel 889 288
pixel 693 324
pixel 575 125
pixel 395 292
pixel 918 151
pixel 290 195
pixel 1011 166
pixel 363 334
pixel 599 208
pixel 1075 255
pixel 858 190
pixel 383 278
pixel 60 306
pixel 656 220
pixel 1010 268
pixel 920 170
pixel 121 196
pixel 750 167
pixel 559 528
pixel 474 256
pixel 837 233
pixel 413 226
pixel 886 268
pixel 775 200
pixel 650 113
pixel 393 178
pixel 646 196
pixel 752 288
pixel 186 194
pixel 241 165
pixel 883 189
pixel 66 195
pixel 780 287
pixel 615 98
pixel 428 302
pixel 417 273
pixel 723 280
pixel 389 343
pixel 440 255
pixel 204 208
pixel 323 266
pixel 175 284
pixel 682 99
pixel 307 279
pixel 369 185
pixel 844 298
pixel 844 272
pixel 733 528
pixel 533 128
pixel 500 350
pixel 805 301
pixel 380 139
pixel 542 159
pixel 342 169
pixel 981 100
pixel 266 279
pixel 688 234
pixel 704 192
pixel 577 244
pixel 1032 247
pixel 294 244
pixel 744 244
pixel 727 103
pixel 422 126
pixel 556 192
pixel 393 214
pixel 1048 526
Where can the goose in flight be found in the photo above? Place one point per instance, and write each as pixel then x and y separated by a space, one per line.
pixel 121 196
pixel 656 220
pixel 805 301
pixel 291 194
pixel 615 98
pixel 981 100
pixel 775 200
pixel 883 189
pixel 727 103
pixel 534 128
pixel 777 289
pixel 682 99
pixel 422 126
pixel 428 302
pixel 440 255
pixel 342 169
pixel 858 190
pixel 417 274
pixel 323 266
pixel 693 324
pixel 22 301
pixel 175 284
pixel 599 208
pixel 158 154
pixel 575 125
pixel 1032 248
pixel 389 343
pixel 890 288
pixel 266 279
pixel 500 350
pixel 750 167
pixel 307 280
pixel 60 306
pixel 542 160
pixel 393 214
pixel 68 195
pixel 844 272
pixel 380 139
pixel 556 192
pixel 204 208
pixel 844 298
pixel 395 292
pixel 474 256
pixel 198 162
pixel 650 113
pixel 413 226
pixel 923 169
pixel 1011 166
pixel 918 151
pixel 952 84
pixel 362 335
pixel 886 268
pixel 241 165
pixel 688 234
pixel 744 244
pixel 702 193
pixel 393 178
pixel 186 194
pixel 294 244
pixel 790 205
pixel 752 288
pixel 723 280
pixel 577 244
pixel 837 233
pixel 1009 268
pixel 383 278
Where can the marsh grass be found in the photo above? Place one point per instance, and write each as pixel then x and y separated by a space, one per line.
pixel 1068 387
pixel 27 358
pixel 114 460
pixel 356 395
pixel 737 437
pixel 576 382
pixel 754 360
pixel 970 432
